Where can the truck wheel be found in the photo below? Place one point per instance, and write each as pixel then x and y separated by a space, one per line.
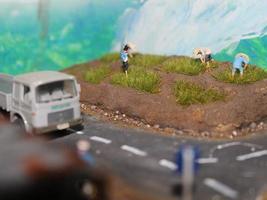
pixel 20 124
pixel 79 127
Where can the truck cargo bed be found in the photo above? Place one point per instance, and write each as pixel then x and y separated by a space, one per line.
pixel 6 82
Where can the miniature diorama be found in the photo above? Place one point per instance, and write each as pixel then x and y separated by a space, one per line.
pixel 129 99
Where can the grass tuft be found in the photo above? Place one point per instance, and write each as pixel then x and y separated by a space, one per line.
pixel 189 93
pixel 147 61
pixel 110 57
pixel 96 75
pixel 251 75
pixel 139 79
pixel 187 66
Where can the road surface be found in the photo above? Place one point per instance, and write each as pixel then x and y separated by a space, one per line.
pixel 235 169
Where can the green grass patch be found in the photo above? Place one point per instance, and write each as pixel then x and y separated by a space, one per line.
pixel 147 61
pixel 110 57
pixel 183 65
pixel 139 79
pixel 187 93
pixel 251 75
pixel 96 75
pixel 214 64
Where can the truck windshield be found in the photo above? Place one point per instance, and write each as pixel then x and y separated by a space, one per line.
pixel 56 91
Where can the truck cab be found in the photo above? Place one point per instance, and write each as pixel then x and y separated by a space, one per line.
pixel 46 101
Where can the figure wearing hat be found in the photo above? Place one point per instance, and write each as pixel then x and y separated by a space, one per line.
pixel 124 55
pixel 240 63
pixel 205 56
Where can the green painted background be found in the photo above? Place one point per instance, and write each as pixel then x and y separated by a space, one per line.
pixel 77 32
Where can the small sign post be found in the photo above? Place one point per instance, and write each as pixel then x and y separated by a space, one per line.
pixel 186 160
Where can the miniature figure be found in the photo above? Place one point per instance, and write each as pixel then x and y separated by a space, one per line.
pixel 83 148
pixel 124 57
pixel 240 63
pixel 205 56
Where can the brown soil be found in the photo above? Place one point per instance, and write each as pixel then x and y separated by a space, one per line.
pixel 244 110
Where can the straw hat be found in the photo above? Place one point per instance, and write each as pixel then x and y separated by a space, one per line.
pixel 83 145
pixel 131 45
pixel 245 56
pixel 198 53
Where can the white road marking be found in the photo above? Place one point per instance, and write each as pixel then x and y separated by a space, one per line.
pixel 100 139
pixel 222 146
pixel 207 160
pixel 74 131
pixel 221 188
pixel 168 164
pixel 133 150
pixel 251 155
pixel 232 144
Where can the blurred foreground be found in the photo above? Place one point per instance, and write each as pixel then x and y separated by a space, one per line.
pixel 34 169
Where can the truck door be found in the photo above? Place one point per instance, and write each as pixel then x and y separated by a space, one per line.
pixel 26 103
pixel 21 101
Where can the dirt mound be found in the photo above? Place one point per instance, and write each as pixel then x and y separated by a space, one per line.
pixel 243 106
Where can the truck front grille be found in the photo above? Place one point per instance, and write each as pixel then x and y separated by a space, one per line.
pixel 60 117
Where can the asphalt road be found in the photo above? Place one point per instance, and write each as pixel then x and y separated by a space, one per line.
pixel 229 169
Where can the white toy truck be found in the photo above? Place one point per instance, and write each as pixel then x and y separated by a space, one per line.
pixel 41 102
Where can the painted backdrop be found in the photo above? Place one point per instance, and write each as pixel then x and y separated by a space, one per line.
pixel 178 26
pixel 55 34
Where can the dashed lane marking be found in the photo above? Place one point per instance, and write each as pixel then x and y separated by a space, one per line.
pixel 251 155
pixel 100 139
pixel 77 132
pixel 168 164
pixel 232 144
pixel 133 150
pixel 221 188
pixel 207 160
